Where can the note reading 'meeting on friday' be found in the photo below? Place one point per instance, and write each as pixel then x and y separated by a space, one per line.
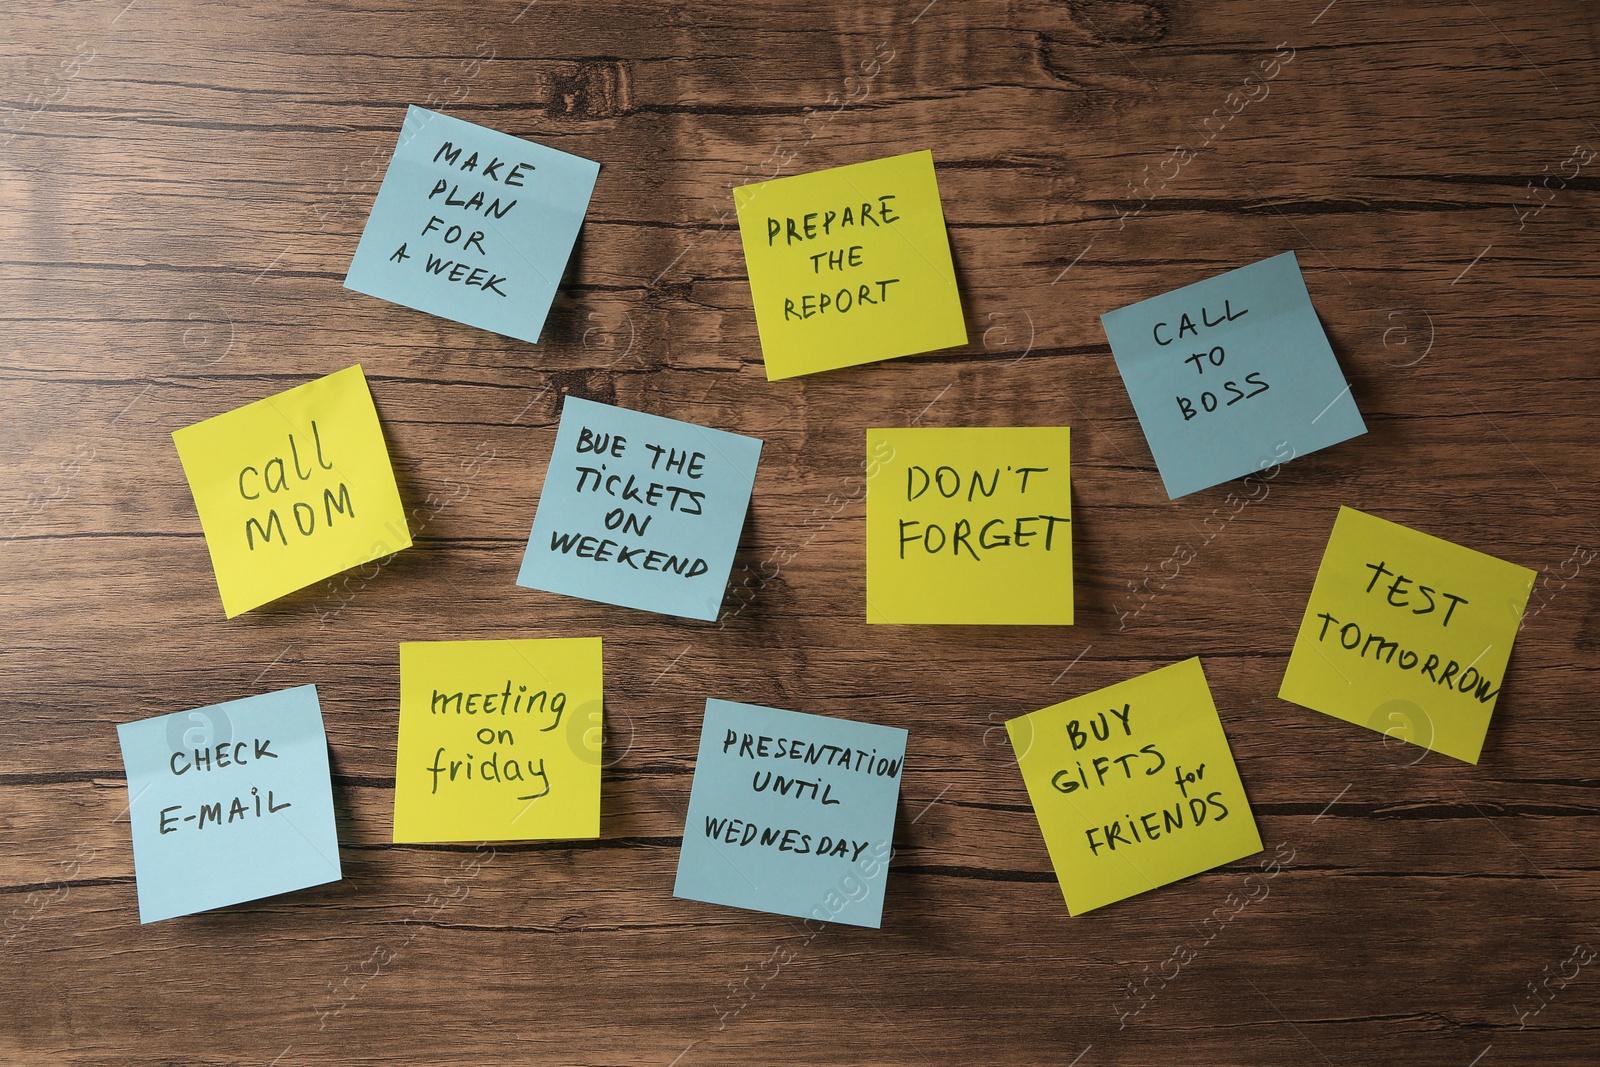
pixel 499 740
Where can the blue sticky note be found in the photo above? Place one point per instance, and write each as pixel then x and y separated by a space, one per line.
pixel 229 803
pixel 1232 375
pixel 640 510
pixel 473 225
pixel 791 814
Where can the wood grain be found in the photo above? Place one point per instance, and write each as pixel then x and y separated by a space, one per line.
pixel 181 188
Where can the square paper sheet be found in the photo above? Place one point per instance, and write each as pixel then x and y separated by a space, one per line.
pixel 229 803
pixel 473 225
pixel 499 740
pixel 1231 375
pixel 970 525
pixel 791 814
pixel 1407 634
pixel 1134 786
pixel 293 489
pixel 640 510
pixel 850 265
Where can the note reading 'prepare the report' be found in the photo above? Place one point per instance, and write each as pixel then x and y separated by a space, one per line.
pixel 850 265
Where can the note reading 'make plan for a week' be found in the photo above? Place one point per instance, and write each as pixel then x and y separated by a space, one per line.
pixel 791 814
pixel 499 740
pixel 229 803
pixel 473 225
pixel 293 488
pixel 640 510
pixel 1407 634
pixel 970 525
pixel 850 265
pixel 1134 786
pixel 1229 373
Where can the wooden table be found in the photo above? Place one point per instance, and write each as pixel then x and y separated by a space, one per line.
pixel 181 188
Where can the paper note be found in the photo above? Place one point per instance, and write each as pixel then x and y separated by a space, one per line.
pixel 229 803
pixel 969 526
pixel 292 489
pixel 640 510
pixel 850 265
pixel 1231 375
pixel 1407 634
pixel 499 740
pixel 1134 786
pixel 473 225
pixel 791 814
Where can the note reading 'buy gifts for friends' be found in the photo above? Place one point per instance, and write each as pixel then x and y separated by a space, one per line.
pixel 1407 634
pixel 969 525
pixel 1230 374
pixel 473 225
pixel 499 740
pixel 791 814
pixel 640 510
pixel 1134 786
pixel 229 803
pixel 293 489
pixel 849 265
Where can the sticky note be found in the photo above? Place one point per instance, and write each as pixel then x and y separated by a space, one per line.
pixel 640 510
pixel 472 225
pixel 1407 634
pixel 499 740
pixel 849 265
pixel 969 525
pixel 1232 375
pixel 229 803
pixel 293 488
pixel 791 814
pixel 1134 786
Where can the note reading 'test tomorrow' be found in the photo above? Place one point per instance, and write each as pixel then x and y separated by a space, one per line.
pixel 1407 634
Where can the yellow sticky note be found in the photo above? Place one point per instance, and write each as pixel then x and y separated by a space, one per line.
pixel 499 740
pixel 293 489
pixel 970 525
pixel 1407 634
pixel 850 265
pixel 1134 786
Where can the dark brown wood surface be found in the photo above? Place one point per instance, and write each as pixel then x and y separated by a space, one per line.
pixel 182 185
